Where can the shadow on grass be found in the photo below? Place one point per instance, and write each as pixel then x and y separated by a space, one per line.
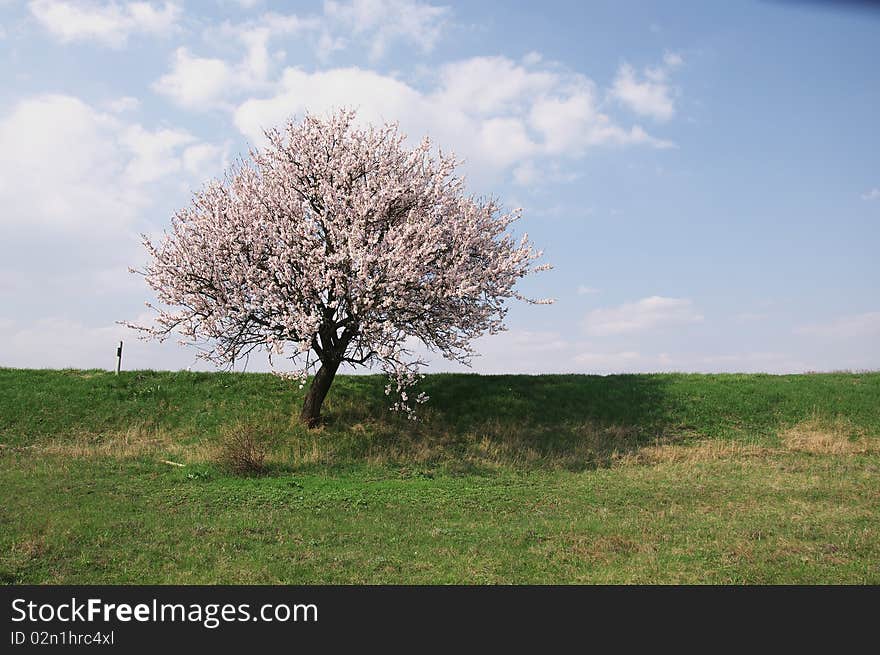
pixel 476 422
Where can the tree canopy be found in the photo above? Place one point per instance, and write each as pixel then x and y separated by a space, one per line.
pixel 337 244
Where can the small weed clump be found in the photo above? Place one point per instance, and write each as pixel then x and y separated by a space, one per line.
pixel 243 448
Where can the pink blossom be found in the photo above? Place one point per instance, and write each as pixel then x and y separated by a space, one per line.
pixel 335 245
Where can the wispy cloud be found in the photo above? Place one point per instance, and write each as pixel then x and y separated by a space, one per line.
pixel 107 23
pixel 379 23
pixel 651 94
pixel 645 314
pixel 585 290
pixel 844 327
pixel 873 194
pixel 196 82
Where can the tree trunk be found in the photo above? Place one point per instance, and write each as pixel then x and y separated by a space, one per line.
pixel 311 410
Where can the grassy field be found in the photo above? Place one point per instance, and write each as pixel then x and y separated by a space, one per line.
pixel 507 479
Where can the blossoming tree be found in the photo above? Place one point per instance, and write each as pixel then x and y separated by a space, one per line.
pixel 332 245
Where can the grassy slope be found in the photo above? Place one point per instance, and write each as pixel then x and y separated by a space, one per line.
pixel 648 478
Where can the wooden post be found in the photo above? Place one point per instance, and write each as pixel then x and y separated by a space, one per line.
pixel 119 358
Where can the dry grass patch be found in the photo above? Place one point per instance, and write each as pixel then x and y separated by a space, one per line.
pixel 703 451
pixel 132 443
pixel 29 548
pixel 822 437
pixel 489 445
pixel 135 441
pixel 816 436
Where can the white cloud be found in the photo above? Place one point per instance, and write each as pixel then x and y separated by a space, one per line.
pixel 67 165
pixel 381 22
pixel 203 83
pixel 195 82
pixel 108 23
pixel 154 154
pixel 203 160
pixel 873 194
pixel 585 290
pixel 377 96
pixel 527 117
pixel 257 60
pixel 255 36
pixel 488 85
pixel 497 113
pixel 60 164
pixel 643 315
pixel 651 96
pixel 845 327
pixel 571 123
pixel 503 141
pixel 328 44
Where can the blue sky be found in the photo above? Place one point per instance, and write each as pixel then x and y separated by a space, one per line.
pixel 705 177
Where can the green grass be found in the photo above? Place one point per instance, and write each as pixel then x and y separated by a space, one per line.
pixel 635 478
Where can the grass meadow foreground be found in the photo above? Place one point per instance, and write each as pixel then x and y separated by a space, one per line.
pixel 507 479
